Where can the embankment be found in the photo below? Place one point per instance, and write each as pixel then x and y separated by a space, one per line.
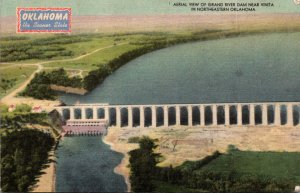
pixel 67 89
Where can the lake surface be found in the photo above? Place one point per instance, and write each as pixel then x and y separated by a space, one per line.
pixel 86 164
pixel 244 69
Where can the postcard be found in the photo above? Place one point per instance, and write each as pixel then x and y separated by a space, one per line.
pixel 150 96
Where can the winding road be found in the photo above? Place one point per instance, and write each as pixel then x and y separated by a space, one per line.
pixel 11 97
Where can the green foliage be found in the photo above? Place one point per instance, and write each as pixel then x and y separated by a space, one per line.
pixel 142 163
pixel 19 120
pixel 60 77
pixel 232 149
pixel 22 155
pixel 60 39
pixel 23 108
pixel 40 48
pixel 13 38
pixel 3 108
pixel 39 91
pixel 6 84
pixel 19 73
pixel 193 165
pixel 24 51
pixel 134 139
pixel 96 77
pixel 161 186
pixel 39 87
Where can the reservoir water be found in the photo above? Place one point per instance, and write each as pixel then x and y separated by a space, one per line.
pixel 86 164
pixel 243 69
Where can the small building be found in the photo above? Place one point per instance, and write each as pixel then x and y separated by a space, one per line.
pixel 37 109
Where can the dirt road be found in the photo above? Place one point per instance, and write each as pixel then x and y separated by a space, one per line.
pixel 12 98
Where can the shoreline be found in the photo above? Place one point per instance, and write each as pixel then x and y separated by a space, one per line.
pixel 111 139
pixel 68 89
pixel 46 182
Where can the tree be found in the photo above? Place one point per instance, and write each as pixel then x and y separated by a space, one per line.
pixel 3 108
pixel 23 108
pixel 142 163
pixel 96 77
pixel 7 83
pixel 23 154
pixel 174 143
pixel 23 183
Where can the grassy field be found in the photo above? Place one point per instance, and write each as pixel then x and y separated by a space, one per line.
pixel 112 47
pixel 167 187
pixel 276 164
pixel 96 59
pixel 53 48
pixel 20 73
pixel 54 45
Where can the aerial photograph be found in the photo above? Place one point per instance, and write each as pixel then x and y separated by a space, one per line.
pixel 150 96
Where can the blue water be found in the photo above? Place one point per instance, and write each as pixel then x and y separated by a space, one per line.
pixel 86 164
pixel 243 69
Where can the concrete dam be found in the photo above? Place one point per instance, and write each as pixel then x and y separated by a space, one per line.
pixel 94 118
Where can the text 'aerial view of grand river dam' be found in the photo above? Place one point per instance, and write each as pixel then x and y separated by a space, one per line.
pixel 242 69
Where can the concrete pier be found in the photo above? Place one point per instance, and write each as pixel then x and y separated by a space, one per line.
pixel 252 114
pixel 202 115
pixel 142 117
pixel 277 115
pixel 214 115
pixel 190 115
pixel 118 117
pixel 166 116
pixel 130 116
pixel 264 114
pixel 227 115
pixel 177 115
pixel 153 116
pixel 239 114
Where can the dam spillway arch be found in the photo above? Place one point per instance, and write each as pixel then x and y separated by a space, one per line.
pixel 175 115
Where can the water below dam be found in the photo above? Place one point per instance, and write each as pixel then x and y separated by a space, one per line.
pixel 86 164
